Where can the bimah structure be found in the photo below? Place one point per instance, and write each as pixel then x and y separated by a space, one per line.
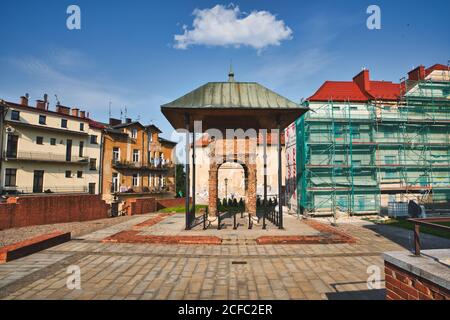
pixel 222 108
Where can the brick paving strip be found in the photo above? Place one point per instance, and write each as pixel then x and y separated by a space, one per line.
pixel 33 245
pixel 151 222
pixel 329 235
pixel 132 236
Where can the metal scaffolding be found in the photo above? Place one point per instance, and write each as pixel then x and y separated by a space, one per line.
pixel 357 157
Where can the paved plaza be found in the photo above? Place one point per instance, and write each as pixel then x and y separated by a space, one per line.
pixel 230 270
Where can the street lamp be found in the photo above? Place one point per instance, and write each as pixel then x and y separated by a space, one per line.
pixel 226 184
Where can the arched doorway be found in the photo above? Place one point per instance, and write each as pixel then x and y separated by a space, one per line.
pixel 249 181
pixel 232 181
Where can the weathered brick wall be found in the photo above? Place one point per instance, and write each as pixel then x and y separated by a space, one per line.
pixel 403 285
pixel 136 206
pixel 37 210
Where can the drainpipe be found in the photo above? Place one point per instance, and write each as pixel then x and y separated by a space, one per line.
pixel 100 167
pixel 4 110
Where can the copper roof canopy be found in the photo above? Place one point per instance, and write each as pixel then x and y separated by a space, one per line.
pixel 232 105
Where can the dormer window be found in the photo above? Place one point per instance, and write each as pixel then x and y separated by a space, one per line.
pixel 134 133
pixel 15 115
pixel 42 119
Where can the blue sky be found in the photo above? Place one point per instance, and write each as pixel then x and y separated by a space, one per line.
pixel 126 53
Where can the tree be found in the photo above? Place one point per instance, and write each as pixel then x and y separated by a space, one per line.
pixel 180 180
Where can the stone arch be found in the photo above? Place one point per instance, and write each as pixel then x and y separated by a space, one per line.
pixel 250 184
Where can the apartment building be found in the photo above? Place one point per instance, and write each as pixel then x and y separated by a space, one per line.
pixel 371 143
pixel 45 151
pixel 136 161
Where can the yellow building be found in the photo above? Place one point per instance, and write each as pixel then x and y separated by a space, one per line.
pixel 48 151
pixel 136 161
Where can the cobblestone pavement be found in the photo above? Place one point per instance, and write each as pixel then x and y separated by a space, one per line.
pixel 144 271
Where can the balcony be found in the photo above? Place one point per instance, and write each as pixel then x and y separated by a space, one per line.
pixel 44 157
pixel 152 165
pixel 142 190
pixel 46 190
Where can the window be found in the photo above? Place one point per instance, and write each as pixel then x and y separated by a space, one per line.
pixel 42 119
pixel 93 139
pixel 116 154
pixel 390 174
pixel 338 130
pixel 53 141
pixel 63 123
pixel 150 180
pixel 115 182
pixel 389 159
pixel 68 174
pixel 15 115
pixel 91 188
pixel 355 132
pixel 389 133
pixel 356 163
pixel 135 180
pixel 134 133
pixel 81 126
pixel 39 140
pixel 79 174
pixel 92 164
pixel 150 137
pixel 80 151
pixel 11 146
pixel 135 155
pixel 10 177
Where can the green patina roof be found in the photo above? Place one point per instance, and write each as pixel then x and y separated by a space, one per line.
pixel 232 94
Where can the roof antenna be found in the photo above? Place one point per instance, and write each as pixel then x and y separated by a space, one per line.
pixel 231 72
pixel 109 110
pixel 57 101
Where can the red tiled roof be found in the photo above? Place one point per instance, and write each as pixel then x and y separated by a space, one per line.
pixel 437 66
pixel 384 90
pixel 96 125
pixel 339 91
pixel 357 90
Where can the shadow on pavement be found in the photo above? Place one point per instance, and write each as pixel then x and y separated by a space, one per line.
pixel 405 238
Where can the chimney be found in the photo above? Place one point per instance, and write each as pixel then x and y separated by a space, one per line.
pixel 417 74
pixel 62 109
pixel 82 114
pixel 362 79
pixel 114 122
pixel 40 104
pixel 75 112
pixel 24 100
pixel 127 120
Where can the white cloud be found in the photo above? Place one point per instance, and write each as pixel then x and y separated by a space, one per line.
pixel 222 26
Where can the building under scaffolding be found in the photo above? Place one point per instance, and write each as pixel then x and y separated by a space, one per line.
pixel 366 144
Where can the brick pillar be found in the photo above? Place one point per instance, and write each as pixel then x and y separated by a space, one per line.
pixel 251 190
pixel 213 176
